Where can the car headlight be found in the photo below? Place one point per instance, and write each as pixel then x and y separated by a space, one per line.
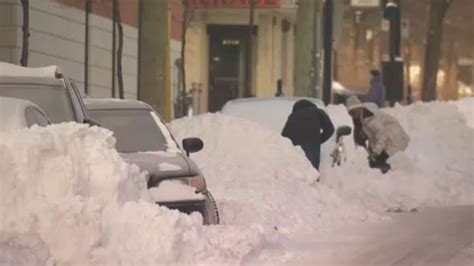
pixel 198 182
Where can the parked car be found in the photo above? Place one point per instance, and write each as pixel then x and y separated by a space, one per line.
pixel 144 139
pixel 17 114
pixel 47 87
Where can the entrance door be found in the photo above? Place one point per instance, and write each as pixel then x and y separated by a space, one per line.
pixel 226 64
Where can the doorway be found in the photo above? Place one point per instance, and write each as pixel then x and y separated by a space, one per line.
pixel 227 63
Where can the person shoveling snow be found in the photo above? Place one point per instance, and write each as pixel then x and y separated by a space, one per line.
pixel 384 133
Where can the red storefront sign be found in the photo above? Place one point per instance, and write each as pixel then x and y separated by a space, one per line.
pixel 233 3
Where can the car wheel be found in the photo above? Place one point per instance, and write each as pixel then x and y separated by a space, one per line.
pixel 210 214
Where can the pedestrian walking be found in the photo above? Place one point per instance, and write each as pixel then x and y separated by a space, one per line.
pixel 376 92
pixel 308 127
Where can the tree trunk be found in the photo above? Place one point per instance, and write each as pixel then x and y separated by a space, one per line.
pixel 187 18
pixel 249 54
pixel 118 20
pixel 26 32
pixel 438 10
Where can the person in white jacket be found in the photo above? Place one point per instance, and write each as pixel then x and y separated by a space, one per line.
pixel 385 136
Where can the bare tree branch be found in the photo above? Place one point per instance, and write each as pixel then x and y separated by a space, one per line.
pixel 118 20
pixel 188 16
pixel 26 32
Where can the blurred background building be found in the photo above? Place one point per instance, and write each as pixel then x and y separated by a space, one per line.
pixel 224 59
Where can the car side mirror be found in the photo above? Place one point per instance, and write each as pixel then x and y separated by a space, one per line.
pixel 192 145
pixel 343 131
pixel 91 122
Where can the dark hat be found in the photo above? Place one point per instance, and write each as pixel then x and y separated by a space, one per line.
pixel 375 72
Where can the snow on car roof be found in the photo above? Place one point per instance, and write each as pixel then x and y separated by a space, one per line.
pixel 258 100
pixel 269 112
pixel 11 70
pixel 112 103
pixel 12 113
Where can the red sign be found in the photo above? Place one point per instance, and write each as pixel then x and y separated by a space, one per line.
pixel 233 3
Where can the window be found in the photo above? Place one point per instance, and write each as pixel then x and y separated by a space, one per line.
pixel 135 130
pixel 34 116
pixel 54 100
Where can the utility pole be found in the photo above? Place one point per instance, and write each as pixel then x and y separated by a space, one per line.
pixel 393 68
pixel 154 62
pixel 307 48
pixel 250 46
pixel 328 39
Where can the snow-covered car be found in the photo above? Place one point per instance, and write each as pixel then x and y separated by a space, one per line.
pixel 269 112
pixel 47 87
pixel 174 180
pixel 341 93
pixel 17 114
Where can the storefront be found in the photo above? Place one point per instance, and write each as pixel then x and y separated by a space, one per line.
pixel 221 49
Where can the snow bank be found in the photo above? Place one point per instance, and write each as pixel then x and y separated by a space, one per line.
pixel 437 168
pixel 11 70
pixel 466 107
pixel 258 177
pixel 68 198
pixel 271 112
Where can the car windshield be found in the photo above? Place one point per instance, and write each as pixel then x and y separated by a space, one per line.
pixel 53 100
pixel 136 130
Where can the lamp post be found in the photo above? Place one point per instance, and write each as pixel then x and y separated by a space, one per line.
pixel 393 68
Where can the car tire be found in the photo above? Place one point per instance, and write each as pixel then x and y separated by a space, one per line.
pixel 210 214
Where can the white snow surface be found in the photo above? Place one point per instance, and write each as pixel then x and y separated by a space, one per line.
pixel 269 112
pixel 466 107
pixel 437 168
pixel 258 177
pixel 67 198
pixel 173 190
pixel 168 166
pixel 11 70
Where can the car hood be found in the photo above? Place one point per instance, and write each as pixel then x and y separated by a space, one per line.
pixel 163 164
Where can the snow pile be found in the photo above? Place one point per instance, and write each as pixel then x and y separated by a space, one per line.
pixel 170 190
pixel 436 169
pixel 466 107
pixel 11 70
pixel 267 112
pixel 258 177
pixel 68 198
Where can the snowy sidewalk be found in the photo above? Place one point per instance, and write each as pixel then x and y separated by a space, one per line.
pixel 435 236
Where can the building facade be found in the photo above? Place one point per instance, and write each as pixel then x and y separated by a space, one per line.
pixel 62 33
pixel 217 51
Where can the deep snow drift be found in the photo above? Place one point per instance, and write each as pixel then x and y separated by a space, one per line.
pixel 258 177
pixel 68 198
pixel 437 168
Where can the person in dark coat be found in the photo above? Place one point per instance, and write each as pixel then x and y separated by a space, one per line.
pixel 308 127
pixel 376 92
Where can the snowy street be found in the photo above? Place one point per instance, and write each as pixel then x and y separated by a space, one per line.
pixel 432 236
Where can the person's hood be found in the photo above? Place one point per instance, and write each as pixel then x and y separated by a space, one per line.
pixel 303 104
pixel 352 103
pixel 371 107
pixel 163 164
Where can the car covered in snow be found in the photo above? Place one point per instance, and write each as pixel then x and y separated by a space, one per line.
pixel 47 87
pixel 269 112
pixel 143 138
pixel 18 114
